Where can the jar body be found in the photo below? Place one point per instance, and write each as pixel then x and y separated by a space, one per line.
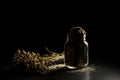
pixel 76 54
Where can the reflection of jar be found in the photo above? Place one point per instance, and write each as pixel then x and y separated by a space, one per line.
pixel 76 48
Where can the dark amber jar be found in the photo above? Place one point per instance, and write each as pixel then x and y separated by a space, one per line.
pixel 76 48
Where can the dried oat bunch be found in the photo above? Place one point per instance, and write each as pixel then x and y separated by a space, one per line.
pixel 33 62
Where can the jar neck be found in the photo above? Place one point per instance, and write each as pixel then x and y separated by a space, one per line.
pixel 77 40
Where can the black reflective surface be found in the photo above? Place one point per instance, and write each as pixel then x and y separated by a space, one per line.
pixel 101 72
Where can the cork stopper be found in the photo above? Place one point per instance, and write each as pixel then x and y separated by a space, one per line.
pixel 76 34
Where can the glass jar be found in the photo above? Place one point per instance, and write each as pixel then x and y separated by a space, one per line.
pixel 76 48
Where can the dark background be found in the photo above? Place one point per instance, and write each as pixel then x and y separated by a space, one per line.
pixel 33 28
